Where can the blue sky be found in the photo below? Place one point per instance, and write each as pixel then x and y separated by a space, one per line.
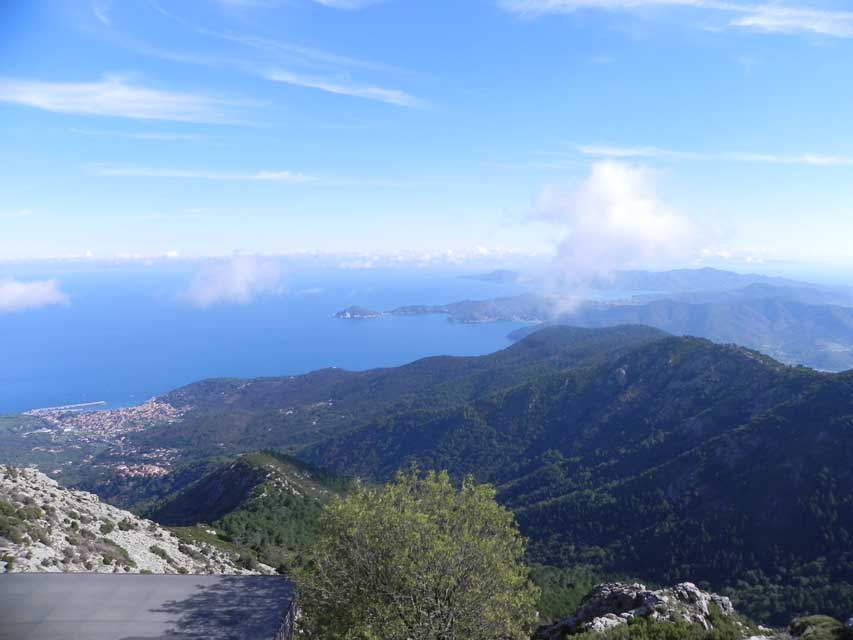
pixel 612 132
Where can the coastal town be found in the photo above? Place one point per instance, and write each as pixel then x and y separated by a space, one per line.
pixel 87 435
pixel 107 424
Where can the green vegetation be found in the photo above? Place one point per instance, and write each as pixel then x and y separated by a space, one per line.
pixel 296 411
pixel 561 589
pixel 265 505
pixel 21 521
pixel 819 628
pixel 645 629
pixel 418 559
pixel 678 444
pixel 157 550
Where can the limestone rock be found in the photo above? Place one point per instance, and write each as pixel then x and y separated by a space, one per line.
pixel 51 528
pixel 612 604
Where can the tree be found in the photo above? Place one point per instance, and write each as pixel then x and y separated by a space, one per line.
pixel 417 559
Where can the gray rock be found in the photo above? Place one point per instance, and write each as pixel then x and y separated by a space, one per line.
pixel 613 604
pixel 79 533
pixel 605 622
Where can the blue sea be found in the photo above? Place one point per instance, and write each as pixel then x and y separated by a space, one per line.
pixel 127 335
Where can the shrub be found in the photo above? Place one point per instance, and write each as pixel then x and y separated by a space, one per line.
pixel 384 553
pixel 817 628
pixel 157 550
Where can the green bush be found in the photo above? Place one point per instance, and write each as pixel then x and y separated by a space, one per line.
pixel 9 559
pixel 818 628
pixel 415 559
pixel 160 551
pixel 107 527
pixel 645 629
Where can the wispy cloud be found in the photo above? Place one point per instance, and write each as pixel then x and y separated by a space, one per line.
pixel 114 96
pixel 261 69
pixel 284 176
pixel 136 135
pixel 809 159
pixel 389 96
pixel 542 7
pixel 279 58
pixel 292 53
pixel 101 14
pixel 770 19
pixel 21 295
pixel 762 17
pixel 237 281
pixel 196 174
pixel 20 213
pixel 348 4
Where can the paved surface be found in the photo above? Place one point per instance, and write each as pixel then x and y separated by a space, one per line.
pixel 89 606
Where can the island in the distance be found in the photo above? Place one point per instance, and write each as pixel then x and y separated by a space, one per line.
pixel 358 313
pixel 521 308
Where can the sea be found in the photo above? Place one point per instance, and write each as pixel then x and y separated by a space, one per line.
pixel 128 334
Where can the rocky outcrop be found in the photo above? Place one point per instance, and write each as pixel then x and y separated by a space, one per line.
pixel 613 604
pixel 45 527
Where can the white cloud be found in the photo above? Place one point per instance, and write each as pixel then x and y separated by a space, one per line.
pixel 608 151
pixel 198 174
pixel 292 53
pixel 114 96
pixel 279 57
pixel 237 281
pixel 20 213
pixel 348 4
pixel 389 96
pixel 810 159
pixel 768 18
pixel 615 220
pixel 20 295
pixel 100 11
pixel 136 135
pixel 540 7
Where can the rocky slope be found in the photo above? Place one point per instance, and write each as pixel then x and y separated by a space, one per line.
pixel 44 527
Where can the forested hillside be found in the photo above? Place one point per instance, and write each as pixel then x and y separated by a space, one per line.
pixel 678 460
pixel 235 415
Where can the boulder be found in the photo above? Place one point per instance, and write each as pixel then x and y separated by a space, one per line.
pixel 612 604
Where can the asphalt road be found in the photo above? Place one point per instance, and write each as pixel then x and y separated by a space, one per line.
pixel 51 606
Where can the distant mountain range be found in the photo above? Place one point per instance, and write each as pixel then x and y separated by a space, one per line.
pixel 797 323
pixel 815 335
pixel 672 281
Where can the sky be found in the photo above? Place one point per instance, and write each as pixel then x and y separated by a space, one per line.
pixel 621 133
